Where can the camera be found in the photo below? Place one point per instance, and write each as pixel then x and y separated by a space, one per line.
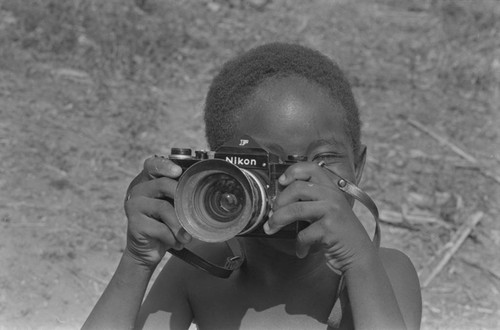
pixel 230 191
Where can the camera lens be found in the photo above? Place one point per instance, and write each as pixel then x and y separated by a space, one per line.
pixel 229 202
pixel 216 200
pixel 224 198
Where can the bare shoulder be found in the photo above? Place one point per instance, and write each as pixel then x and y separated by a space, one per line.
pixel 397 260
pixel 405 283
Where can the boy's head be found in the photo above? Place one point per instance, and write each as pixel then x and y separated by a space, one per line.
pixel 239 78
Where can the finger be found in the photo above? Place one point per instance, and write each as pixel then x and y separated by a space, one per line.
pixel 160 166
pixel 160 211
pixel 312 235
pixel 299 211
pixel 156 230
pixel 304 191
pixel 157 188
pixel 305 171
pixel 165 212
pixel 155 167
pixel 141 177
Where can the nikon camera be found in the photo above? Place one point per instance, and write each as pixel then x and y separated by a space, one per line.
pixel 229 192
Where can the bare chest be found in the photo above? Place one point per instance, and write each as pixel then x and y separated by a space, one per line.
pixel 235 304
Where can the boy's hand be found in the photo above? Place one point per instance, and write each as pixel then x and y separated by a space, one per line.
pixel 311 195
pixel 153 227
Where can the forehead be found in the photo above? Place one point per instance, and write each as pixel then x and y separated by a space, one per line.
pixel 295 114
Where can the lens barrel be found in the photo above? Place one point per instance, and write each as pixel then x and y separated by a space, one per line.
pixel 216 200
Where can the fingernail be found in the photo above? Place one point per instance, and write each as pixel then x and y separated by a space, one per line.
pixel 186 237
pixel 267 230
pixel 270 231
pixel 301 253
pixel 175 169
pixel 282 179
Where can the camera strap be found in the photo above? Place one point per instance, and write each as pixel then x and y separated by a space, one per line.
pixel 352 190
pixel 232 263
pixel 237 259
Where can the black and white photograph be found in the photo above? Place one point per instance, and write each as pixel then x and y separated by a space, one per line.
pixel 249 164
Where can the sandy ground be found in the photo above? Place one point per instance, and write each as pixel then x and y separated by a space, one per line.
pixel 70 142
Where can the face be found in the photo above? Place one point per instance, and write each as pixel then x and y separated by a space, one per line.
pixel 292 116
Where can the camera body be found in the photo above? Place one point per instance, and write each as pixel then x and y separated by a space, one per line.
pixel 230 191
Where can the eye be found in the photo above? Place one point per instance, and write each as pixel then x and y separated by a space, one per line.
pixel 328 157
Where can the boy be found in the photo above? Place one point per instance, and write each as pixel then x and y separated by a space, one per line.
pixel 294 101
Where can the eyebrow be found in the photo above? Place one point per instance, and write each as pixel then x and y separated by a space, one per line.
pixel 327 142
pixel 339 145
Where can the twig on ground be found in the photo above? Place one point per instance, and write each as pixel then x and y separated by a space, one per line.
pixel 442 140
pixel 94 278
pixel 27 224
pixel 407 220
pixel 396 223
pixel 488 271
pixel 467 166
pixel 453 147
pixel 489 175
pixel 450 248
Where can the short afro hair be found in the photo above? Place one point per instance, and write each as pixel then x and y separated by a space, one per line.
pixel 239 78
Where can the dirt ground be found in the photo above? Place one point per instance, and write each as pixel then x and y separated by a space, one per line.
pixel 77 120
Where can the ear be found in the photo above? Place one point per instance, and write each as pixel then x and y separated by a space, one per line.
pixel 360 163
